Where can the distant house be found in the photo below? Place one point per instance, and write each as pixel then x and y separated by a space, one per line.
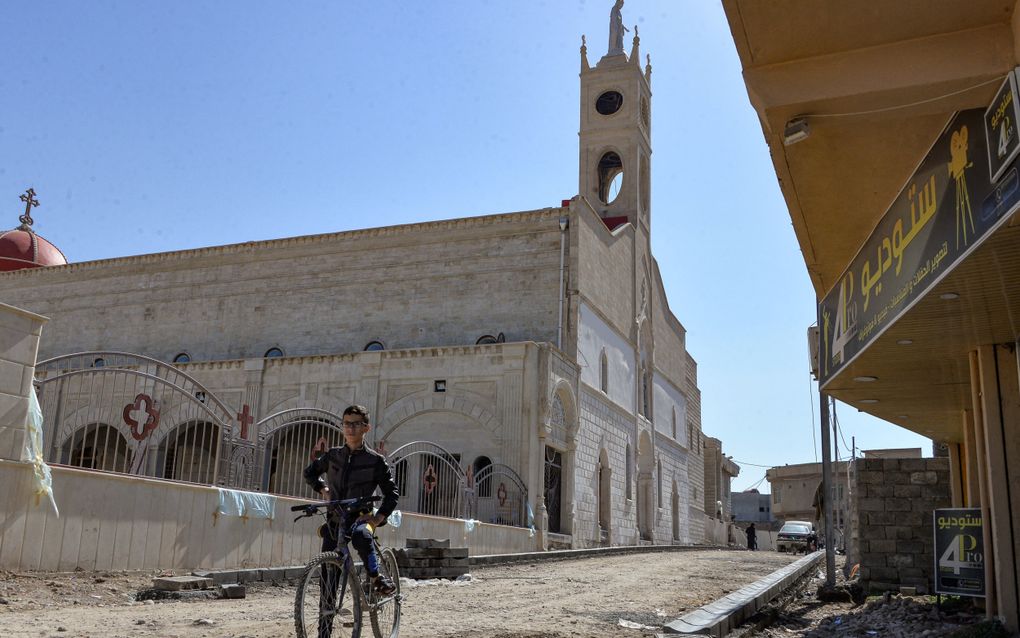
pixel 752 507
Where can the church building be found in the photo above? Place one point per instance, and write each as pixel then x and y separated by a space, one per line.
pixel 521 368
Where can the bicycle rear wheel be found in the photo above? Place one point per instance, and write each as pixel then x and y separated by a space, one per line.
pixel 326 605
pixel 385 610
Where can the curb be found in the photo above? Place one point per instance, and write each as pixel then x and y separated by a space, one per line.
pixel 722 616
pixel 269 574
pixel 568 554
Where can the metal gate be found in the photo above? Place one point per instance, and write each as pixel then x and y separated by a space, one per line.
pixel 121 412
pixel 430 480
pixel 289 441
pixel 499 496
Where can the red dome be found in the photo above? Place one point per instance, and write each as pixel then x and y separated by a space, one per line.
pixel 22 248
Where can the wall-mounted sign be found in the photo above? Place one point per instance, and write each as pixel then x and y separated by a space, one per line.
pixel 959 552
pixel 1001 133
pixel 943 212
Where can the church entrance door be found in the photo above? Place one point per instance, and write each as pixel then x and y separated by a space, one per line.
pixel 553 487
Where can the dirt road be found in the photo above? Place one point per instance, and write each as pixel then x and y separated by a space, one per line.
pixel 546 599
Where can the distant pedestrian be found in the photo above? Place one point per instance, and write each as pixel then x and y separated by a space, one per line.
pixel 752 538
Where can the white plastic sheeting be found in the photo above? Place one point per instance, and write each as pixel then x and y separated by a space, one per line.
pixel 246 504
pixel 32 453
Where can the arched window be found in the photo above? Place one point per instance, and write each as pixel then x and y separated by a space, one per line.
pixel 658 476
pixel 604 372
pixel 485 340
pixel 374 346
pixel 630 472
pixel 273 352
pixel 610 173
pixel 483 487
pixel 99 362
pixel 182 357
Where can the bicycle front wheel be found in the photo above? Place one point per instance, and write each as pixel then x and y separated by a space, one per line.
pixel 326 606
pixel 385 610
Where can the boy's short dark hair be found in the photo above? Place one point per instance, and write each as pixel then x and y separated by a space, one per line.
pixel 360 410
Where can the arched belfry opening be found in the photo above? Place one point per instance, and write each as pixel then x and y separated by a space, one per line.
pixel 610 171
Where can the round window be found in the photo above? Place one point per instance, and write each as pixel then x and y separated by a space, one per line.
pixel 609 102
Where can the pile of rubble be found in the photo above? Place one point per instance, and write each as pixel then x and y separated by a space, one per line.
pixel 891 616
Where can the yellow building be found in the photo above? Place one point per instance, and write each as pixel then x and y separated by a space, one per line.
pixel 879 118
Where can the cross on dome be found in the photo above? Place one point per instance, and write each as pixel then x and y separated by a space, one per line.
pixel 29 198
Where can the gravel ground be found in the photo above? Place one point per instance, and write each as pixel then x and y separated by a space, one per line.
pixel 801 614
pixel 588 597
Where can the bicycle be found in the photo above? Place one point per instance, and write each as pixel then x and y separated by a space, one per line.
pixel 334 593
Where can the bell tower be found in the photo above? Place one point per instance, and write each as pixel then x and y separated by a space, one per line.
pixel 615 135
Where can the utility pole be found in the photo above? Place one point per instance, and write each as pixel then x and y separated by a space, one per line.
pixel 830 551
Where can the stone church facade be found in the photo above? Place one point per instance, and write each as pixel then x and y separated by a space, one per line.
pixel 541 341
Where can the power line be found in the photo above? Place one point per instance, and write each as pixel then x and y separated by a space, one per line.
pixel 839 431
pixel 743 462
pixel 995 80
pixel 811 402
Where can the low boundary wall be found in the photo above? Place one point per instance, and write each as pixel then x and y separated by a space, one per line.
pixel 118 522
pixel 722 534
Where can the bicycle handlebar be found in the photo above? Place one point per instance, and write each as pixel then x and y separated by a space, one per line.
pixel 346 504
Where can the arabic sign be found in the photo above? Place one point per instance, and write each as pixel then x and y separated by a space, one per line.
pixel 947 207
pixel 1001 121
pixel 959 552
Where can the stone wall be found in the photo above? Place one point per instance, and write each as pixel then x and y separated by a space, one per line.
pixel 432 284
pixel 19 341
pixel 893 500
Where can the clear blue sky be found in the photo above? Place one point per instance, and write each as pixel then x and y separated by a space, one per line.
pixel 156 126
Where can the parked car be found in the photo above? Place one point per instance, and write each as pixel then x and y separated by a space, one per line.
pixel 795 536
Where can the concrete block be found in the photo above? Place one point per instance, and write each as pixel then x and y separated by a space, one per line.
pixel 273 574
pixel 12 376
pixel 900 560
pixel 888 574
pixel 179 583
pixel 427 543
pixel 412 563
pixel 906 491
pixel 897 505
pixel 435 552
pixel 231 590
pixel 924 478
pixel 914 465
pixel 871 478
pixel 909 547
pixel 878 519
pixel 883 546
pixel 880 490
pixel 914 519
pixel 871 505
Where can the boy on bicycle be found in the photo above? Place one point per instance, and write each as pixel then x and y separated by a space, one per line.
pixel 352 471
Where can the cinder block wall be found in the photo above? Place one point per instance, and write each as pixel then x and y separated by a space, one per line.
pixel 894 500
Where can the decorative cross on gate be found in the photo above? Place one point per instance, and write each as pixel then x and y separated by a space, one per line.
pixel 244 418
pixel 430 479
pixel 29 198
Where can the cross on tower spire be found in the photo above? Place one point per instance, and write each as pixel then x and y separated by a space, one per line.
pixel 29 198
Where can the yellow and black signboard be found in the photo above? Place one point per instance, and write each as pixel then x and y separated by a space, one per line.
pixel 945 210
pixel 1002 120
pixel 959 552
